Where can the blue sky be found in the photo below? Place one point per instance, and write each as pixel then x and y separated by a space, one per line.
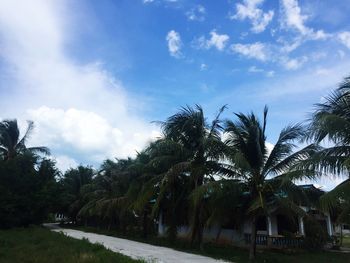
pixel 94 74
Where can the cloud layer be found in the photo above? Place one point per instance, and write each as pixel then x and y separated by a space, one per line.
pixel 80 110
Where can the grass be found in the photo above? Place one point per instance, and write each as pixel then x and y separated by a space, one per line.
pixel 39 245
pixel 346 241
pixel 235 254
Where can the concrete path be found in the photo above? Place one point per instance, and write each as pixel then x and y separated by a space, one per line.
pixel 138 250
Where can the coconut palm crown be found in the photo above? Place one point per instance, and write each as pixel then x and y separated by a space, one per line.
pixel 330 123
pixel 10 142
pixel 267 174
pixel 204 148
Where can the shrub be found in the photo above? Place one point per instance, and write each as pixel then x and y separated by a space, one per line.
pixel 316 236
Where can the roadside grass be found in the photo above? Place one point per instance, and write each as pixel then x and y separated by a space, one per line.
pixel 40 245
pixel 231 253
pixel 346 241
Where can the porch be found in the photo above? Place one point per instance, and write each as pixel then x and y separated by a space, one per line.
pixel 277 230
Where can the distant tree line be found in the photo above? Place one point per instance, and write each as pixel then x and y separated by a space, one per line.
pixel 199 173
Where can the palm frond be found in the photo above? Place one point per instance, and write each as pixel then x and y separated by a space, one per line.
pixel 27 133
pixel 39 149
pixel 284 147
pixel 292 160
pixel 340 193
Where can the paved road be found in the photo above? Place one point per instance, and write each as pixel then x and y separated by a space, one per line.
pixel 138 250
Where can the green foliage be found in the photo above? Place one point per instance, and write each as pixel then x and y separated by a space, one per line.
pixel 28 186
pixel 41 246
pixel 73 184
pixel 27 194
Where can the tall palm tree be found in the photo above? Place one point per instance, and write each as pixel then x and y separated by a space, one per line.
pixel 330 123
pixel 202 141
pixel 267 175
pixel 162 183
pixel 104 196
pixel 73 181
pixel 10 142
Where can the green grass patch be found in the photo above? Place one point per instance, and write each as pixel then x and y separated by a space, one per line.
pixel 346 241
pixel 39 245
pixel 235 254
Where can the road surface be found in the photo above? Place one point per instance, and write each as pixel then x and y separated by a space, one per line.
pixel 138 250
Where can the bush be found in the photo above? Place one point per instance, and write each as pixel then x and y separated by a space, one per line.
pixel 316 236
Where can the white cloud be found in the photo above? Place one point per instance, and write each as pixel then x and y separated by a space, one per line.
pixel 341 54
pixel 270 73
pixel 254 69
pixel 197 13
pixel 301 83
pixel 249 10
pixel 203 67
pixel 87 133
pixel 83 101
pixel 292 18
pixel 174 43
pixel 256 50
pixel 64 162
pixel 319 35
pixel 269 146
pixel 318 55
pixel 294 63
pixel 344 38
pixel 147 1
pixel 322 71
pixel 289 46
pixel 216 40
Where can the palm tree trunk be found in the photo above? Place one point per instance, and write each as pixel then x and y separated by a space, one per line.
pixel 197 230
pixel 218 234
pixel 252 248
pixel 198 227
pixel 195 224
pixel 144 224
pixel 341 235
pixel 110 224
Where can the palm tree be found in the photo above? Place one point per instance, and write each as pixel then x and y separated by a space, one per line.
pixel 222 202
pixel 161 183
pixel 267 175
pixel 330 123
pixel 204 147
pixel 73 181
pixel 10 142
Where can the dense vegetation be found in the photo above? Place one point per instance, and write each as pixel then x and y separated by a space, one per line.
pixel 28 184
pixel 233 253
pixel 199 173
pixel 40 245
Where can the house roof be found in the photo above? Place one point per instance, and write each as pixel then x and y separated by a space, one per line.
pixel 311 187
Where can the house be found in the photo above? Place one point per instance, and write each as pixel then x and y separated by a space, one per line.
pixel 343 229
pixel 59 217
pixel 273 230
